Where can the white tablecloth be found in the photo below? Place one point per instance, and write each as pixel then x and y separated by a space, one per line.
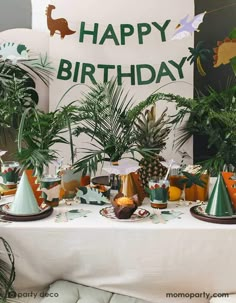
pixel 139 259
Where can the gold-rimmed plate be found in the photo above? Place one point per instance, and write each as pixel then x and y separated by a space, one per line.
pixel 139 214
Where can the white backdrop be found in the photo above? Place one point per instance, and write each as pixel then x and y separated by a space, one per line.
pixel 149 48
pixel 152 52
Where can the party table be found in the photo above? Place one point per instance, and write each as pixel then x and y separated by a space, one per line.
pixel 153 262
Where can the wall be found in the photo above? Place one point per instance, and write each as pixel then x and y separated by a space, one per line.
pixel 219 22
pixel 153 52
pixel 81 51
pixel 15 14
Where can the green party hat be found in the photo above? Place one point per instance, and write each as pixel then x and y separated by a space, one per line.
pixel 24 202
pixel 219 203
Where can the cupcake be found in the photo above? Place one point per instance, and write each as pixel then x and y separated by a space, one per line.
pixel 124 207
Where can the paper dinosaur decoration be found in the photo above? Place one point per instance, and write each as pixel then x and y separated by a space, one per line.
pixel 72 215
pixel 165 216
pixel 224 52
pixel 185 28
pixel 52 193
pixel 14 52
pixel 59 25
pixel 91 196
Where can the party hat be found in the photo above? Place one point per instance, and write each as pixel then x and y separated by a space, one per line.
pixel 219 203
pixel 24 202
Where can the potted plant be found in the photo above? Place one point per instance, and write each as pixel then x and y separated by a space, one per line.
pixel 103 115
pixel 213 116
pixel 17 93
pixel 108 117
pixel 37 135
pixel 38 132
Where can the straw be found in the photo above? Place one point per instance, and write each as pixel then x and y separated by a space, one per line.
pixel 168 170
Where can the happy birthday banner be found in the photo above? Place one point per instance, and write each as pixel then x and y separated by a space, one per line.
pixel 139 44
pixel 92 52
pixel 142 45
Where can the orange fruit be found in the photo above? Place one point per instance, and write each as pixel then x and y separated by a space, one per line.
pixel 174 193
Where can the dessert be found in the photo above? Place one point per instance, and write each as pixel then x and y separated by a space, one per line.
pixel 124 207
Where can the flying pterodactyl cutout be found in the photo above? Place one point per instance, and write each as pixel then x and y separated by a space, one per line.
pixel 185 28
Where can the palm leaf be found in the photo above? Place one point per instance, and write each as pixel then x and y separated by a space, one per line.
pixel 39 132
pixel 191 179
pixel 7 271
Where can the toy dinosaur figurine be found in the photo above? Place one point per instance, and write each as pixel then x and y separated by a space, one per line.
pixel 59 24
pixel 224 52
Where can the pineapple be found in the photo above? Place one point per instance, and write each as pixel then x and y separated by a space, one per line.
pixel 152 132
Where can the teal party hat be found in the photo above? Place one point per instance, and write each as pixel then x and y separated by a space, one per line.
pixel 24 202
pixel 219 203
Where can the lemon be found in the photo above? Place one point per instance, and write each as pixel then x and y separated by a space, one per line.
pixel 174 193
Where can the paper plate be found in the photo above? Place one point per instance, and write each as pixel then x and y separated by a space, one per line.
pixel 139 214
pixel 7 209
pixel 7 215
pixel 198 212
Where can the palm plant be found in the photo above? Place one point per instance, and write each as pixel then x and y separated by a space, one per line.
pixel 191 179
pixel 17 93
pixel 40 68
pixel 214 116
pixel 7 271
pixel 39 132
pixel 107 115
pixel 103 116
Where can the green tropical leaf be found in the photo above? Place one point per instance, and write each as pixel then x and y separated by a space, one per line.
pixel 191 179
pixel 39 132
pixel 7 270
